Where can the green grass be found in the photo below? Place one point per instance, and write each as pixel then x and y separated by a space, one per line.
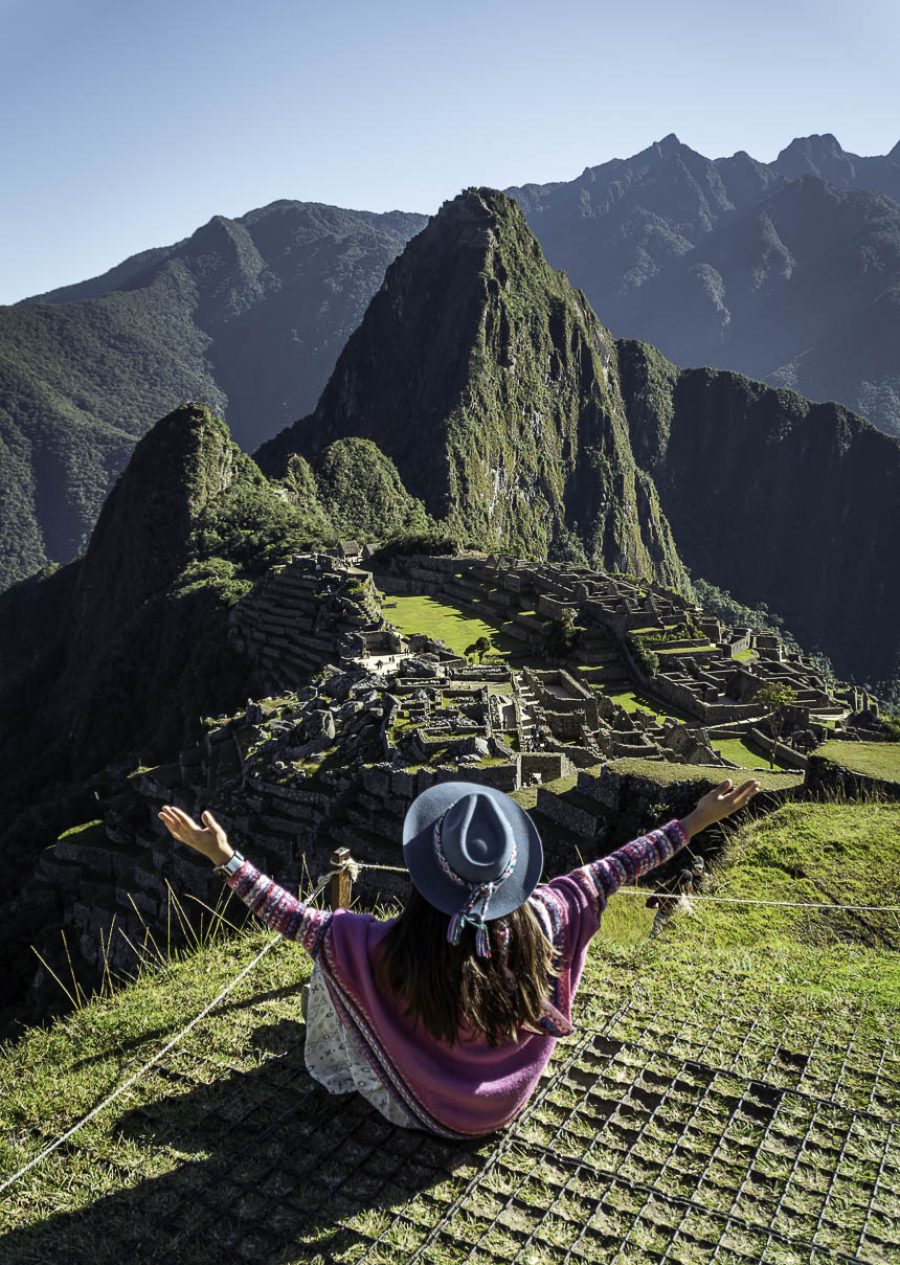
pixel 86 826
pixel 803 852
pixel 456 628
pixel 432 618
pixel 873 759
pixel 231 1128
pixel 685 650
pixel 665 772
pixel 734 749
pixel 632 701
pixel 743 754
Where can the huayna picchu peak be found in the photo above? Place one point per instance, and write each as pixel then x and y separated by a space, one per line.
pixel 490 383
pixel 711 260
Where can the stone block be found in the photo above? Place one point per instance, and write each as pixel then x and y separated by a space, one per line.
pixel 606 788
pixel 403 784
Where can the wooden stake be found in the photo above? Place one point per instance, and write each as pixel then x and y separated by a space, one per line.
pixel 341 882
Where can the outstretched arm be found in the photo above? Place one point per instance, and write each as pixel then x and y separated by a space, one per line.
pixel 636 858
pixel 646 853
pixel 272 904
pixel 277 908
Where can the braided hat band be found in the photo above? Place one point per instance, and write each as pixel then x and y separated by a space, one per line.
pixel 479 894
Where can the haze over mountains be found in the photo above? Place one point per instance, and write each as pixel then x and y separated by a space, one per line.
pixel 788 272
pixel 247 315
pixel 762 268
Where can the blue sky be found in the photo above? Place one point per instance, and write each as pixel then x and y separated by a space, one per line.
pixel 128 123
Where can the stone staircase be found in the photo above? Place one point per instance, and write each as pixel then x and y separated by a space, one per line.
pixel 527 703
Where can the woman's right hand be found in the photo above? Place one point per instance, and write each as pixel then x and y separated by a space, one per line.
pixel 720 802
pixel 210 839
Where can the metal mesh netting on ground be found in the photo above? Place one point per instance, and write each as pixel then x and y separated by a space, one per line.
pixel 655 1136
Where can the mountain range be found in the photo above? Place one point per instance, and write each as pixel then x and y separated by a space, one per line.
pixel 485 377
pixel 787 272
pixel 519 421
pixel 248 315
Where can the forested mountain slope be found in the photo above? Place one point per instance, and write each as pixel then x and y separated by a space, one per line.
pixel 247 315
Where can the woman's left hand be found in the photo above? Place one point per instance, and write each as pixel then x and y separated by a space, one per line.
pixel 211 840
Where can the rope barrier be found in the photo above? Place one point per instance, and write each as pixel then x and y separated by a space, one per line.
pixel 120 1089
pixel 729 900
pixel 746 900
pixel 351 868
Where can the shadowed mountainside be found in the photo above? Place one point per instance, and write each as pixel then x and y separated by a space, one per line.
pixel 124 649
pixel 246 315
pixel 776 499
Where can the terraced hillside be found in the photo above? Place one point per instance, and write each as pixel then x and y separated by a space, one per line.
pixel 731 1094
pixel 660 661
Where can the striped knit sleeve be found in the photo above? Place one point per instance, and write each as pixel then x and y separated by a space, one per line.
pixel 277 908
pixel 633 860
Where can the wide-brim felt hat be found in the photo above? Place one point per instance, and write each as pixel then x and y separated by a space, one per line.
pixel 479 839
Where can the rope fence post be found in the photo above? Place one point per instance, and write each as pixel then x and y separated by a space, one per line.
pixel 341 887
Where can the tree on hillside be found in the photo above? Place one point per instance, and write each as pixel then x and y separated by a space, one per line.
pixel 561 635
pixel 647 658
pixel 779 698
pixel 479 649
pixel 567 547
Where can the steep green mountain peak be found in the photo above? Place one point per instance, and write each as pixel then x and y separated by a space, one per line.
pixel 142 538
pixel 363 494
pixel 486 378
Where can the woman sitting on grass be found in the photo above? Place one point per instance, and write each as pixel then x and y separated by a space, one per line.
pixel 445 1016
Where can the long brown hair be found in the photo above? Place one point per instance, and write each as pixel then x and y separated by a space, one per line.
pixel 445 985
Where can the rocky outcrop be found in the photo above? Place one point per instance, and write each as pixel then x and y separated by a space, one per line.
pixel 139 648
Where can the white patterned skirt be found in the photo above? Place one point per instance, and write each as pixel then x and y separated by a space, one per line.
pixel 334 1061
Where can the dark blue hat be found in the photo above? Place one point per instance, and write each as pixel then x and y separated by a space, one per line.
pixel 473 853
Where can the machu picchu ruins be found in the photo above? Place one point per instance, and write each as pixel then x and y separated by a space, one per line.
pixel 353 715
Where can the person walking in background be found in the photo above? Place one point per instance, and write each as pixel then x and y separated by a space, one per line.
pixel 672 895
pixel 445 1016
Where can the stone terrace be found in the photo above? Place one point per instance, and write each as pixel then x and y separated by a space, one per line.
pixel 300 616
pixel 295 777
pixel 708 672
